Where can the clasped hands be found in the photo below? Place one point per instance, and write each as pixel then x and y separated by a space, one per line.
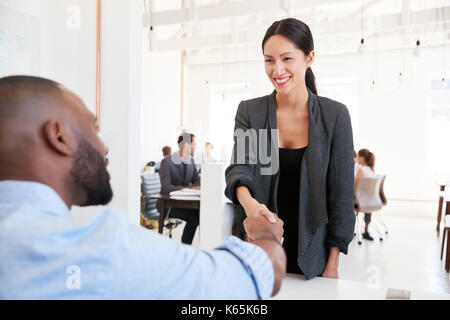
pixel 262 223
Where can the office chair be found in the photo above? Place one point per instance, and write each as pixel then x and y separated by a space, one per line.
pixel 367 199
pixel 378 217
pixel 151 185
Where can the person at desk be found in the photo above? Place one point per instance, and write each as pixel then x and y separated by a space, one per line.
pixel 167 151
pixel 207 155
pixel 312 192
pixel 52 158
pixel 366 164
pixel 176 172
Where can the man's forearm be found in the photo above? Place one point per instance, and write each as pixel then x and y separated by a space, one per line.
pixel 276 255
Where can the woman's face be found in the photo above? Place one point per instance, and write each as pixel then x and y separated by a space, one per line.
pixel 285 64
pixel 361 161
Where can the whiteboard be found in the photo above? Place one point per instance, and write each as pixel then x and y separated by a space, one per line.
pixel 19 43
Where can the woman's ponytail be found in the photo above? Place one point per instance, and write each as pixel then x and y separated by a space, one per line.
pixel 310 81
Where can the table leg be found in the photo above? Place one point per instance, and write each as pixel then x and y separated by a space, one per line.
pixel 447 260
pixel 162 217
pixel 441 200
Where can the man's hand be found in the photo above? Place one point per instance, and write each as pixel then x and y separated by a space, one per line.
pixel 196 188
pixel 258 227
pixel 268 236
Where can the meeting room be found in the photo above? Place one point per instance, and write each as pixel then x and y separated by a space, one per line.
pixel 225 150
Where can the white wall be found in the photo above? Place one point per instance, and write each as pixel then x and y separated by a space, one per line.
pixel 121 43
pixel 161 94
pixel 68 56
pixel 392 114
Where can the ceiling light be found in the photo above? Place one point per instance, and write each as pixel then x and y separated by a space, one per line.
pixel 417 50
pixel 362 47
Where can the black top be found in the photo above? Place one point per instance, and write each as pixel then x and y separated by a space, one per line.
pixel 288 202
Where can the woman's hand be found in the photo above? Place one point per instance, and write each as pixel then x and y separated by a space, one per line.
pixel 330 273
pixel 331 268
pixel 257 209
pixel 251 206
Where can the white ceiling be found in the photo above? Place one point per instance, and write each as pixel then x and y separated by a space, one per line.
pixel 209 29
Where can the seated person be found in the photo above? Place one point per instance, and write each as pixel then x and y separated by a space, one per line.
pixel 176 172
pixel 51 159
pixel 167 151
pixel 366 164
pixel 207 156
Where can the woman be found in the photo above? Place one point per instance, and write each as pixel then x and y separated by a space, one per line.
pixel 366 165
pixel 312 192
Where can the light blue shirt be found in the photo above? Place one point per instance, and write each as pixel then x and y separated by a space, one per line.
pixel 44 255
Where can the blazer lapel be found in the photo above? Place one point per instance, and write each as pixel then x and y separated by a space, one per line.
pixel 188 176
pixel 312 184
pixel 179 167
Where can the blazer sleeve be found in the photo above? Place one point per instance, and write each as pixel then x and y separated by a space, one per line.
pixel 239 174
pixel 164 176
pixel 340 184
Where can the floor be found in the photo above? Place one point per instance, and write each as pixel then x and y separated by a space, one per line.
pixel 408 258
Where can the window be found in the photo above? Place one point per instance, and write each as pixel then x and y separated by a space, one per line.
pixel 346 91
pixel 438 155
pixel 224 101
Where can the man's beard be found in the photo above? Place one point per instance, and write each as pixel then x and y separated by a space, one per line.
pixel 89 172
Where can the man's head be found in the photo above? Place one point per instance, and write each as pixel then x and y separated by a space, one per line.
pixel 167 151
pixel 186 143
pixel 47 135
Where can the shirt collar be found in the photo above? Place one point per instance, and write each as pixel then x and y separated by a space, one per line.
pixel 33 194
pixel 183 160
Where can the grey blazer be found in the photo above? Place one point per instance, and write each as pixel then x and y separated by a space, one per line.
pixel 326 212
pixel 172 177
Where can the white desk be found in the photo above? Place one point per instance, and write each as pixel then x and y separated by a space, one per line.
pixel 295 287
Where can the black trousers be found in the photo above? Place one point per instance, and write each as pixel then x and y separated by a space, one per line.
pixel 191 216
pixel 367 217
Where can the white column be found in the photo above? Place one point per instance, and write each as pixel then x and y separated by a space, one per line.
pixel 121 55
pixel 216 216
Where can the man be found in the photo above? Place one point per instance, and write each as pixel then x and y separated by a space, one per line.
pixel 176 172
pixel 51 158
pixel 167 151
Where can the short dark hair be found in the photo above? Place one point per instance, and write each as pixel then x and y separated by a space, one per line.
pixel 16 90
pixel 184 138
pixel 166 150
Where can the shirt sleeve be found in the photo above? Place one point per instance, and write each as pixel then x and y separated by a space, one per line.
pixel 147 265
pixel 255 261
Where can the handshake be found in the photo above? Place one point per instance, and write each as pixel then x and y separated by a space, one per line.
pixel 267 233
pixel 262 223
pixel 259 227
